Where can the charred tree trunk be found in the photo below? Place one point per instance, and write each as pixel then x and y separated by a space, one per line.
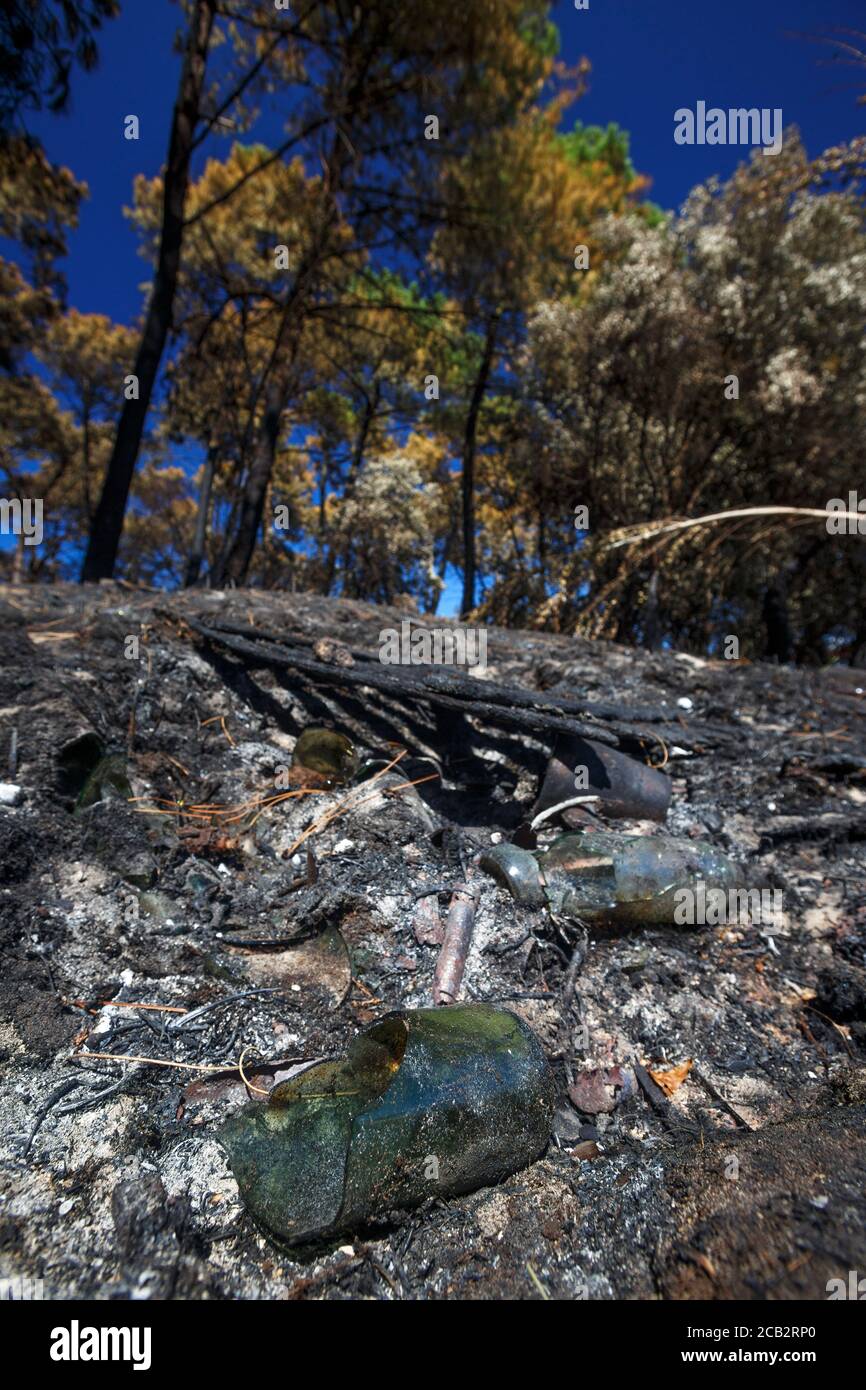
pixel 279 380
pixel 370 407
pixel 652 628
pixel 777 624
pixel 196 555
pixel 470 440
pixel 107 526
pixel 240 554
pixel 85 461
pixel 18 561
pixel 278 391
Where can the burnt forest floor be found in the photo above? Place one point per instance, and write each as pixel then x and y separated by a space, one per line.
pixel 749 1181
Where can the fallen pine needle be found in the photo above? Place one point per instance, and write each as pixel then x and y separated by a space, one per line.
pixel 212 815
pixel 222 723
pixel 833 733
pixel 259 1090
pixel 538 1284
pixel 359 984
pixel 174 762
pixel 208 812
pixel 154 1061
pixel 322 1095
pixel 327 817
pixel 183 1066
pixel 833 1024
pixel 659 739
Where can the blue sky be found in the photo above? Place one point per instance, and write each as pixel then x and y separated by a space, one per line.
pixel 650 57
pixel 647 59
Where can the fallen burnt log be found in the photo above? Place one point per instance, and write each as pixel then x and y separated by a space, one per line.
pixel 504 705
pixel 541 711
pixel 828 828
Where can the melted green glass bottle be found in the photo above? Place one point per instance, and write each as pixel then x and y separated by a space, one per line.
pixel 603 877
pixel 426 1103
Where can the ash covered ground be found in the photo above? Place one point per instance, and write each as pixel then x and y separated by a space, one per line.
pixel 747 1181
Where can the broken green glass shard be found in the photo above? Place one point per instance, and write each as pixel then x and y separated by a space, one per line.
pixel 107 782
pixel 517 870
pixel 327 753
pixel 605 878
pixel 426 1103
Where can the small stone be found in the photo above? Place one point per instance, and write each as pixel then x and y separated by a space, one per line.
pixel 600 1091
pixel 567 1126
pixel 200 884
pixel 332 652
pixel 159 906
pixel 139 870
pixel 10 794
pixel 586 1151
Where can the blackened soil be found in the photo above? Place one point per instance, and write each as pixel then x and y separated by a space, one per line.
pixel 746 1182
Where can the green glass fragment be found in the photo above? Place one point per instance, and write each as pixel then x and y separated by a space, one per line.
pixel 107 782
pixel 327 753
pixel 517 870
pixel 604 877
pixel 426 1103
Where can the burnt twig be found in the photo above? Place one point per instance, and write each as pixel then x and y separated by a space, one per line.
pixel 57 1094
pixel 719 1098
pixel 508 706
pixel 660 1103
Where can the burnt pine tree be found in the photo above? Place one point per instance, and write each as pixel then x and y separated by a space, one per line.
pixel 108 522
pixel 381 67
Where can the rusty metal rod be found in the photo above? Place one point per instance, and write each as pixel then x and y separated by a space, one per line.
pixel 460 923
